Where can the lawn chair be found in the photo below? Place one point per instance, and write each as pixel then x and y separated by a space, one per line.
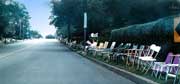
pixel 144 50
pixel 131 54
pixel 139 53
pixel 92 47
pixel 148 60
pixel 120 52
pixel 101 47
pixel 106 44
pixel 173 69
pixel 108 51
pixel 159 67
pixel 112 57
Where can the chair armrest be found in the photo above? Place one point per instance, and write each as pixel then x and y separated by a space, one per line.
pixel 175 55
pixel 172 65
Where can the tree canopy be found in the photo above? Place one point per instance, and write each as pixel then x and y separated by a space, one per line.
pixel 14 19
pixel 105 15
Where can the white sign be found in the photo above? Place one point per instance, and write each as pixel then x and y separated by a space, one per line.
pixel 85 20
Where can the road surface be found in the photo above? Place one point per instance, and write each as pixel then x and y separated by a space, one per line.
pixel 49 62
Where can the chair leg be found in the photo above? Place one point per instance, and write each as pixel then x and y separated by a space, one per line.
pixel 176 76
pixel 154 72
pixel 167 71
pixel 174 82
pixel 127 60
pixel 138 62
pixel 133 62
pixel 148 68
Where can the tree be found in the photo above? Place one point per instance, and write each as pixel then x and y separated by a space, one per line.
pixel 14 19
pixel 34 34
pixel 105 15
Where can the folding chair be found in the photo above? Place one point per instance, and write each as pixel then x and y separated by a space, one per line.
pixel 160 67
pixel 115 50
pixel 92 47
pixel 101 47
pixel 148 60
pixel 141 53
pixel 173 69
pixel 131 54
pixel 120 52
pixel 108 51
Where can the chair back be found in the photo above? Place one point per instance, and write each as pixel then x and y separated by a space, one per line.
pixel 128 45
pixel 94 45
pixel 113 45
pixel 176 60
pixel 145 51
pixel 153 49
pixel 169 58
pixel 140 51
pixel 135 47
pixel 141 47
pixel 74 42
pixel 120 45
pixel 106 44
pixel 101 45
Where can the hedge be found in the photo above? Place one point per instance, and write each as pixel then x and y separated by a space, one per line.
pixel 159 32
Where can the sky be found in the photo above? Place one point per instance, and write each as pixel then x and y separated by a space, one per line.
pixel 39 11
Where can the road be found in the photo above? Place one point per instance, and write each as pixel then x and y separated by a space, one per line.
pixel 49 62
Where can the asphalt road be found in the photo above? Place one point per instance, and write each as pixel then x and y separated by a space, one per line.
pixel 49 62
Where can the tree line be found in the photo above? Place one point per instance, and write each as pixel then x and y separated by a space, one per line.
pixel 105 15
pixel 14 20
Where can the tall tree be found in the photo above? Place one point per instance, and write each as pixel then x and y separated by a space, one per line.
pixel 14 19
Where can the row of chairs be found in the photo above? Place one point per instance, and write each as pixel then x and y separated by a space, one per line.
pixel 144 56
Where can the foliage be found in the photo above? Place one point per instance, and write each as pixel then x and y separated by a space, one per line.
pixel 14 19
pixel 34 34
pixel 157 32
pixel 105 15
pixel 50 37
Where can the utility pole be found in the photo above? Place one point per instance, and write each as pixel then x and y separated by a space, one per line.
pixel 20 29
pixel 85 22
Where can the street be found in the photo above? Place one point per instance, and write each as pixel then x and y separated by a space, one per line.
pixel 49 62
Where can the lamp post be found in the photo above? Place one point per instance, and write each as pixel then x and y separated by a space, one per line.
pixel 85 22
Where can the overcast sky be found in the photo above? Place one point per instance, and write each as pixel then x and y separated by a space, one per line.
pixel 39 11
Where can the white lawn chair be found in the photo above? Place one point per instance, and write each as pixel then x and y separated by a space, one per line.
pixel 100 48
pixel 108 51
pixel 101 45
pixel 148 60
pixel 139 53
pixel 144 51
pixel 106 44
pixel 92 47
pixel 131 53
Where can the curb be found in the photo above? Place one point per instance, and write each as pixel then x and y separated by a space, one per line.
pixel 131 76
